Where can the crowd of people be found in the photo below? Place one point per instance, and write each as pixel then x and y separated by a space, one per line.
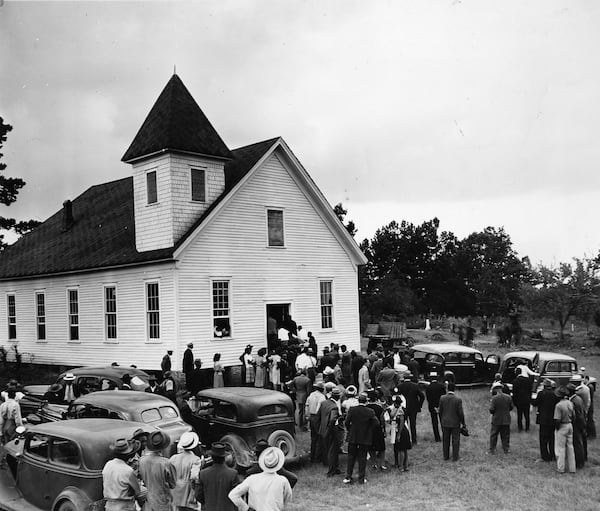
pixel 139 476
pixel 363 406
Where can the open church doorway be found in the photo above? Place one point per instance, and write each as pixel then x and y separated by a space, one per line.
pixel 276 315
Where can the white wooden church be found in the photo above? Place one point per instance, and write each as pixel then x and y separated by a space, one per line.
pixel 200 244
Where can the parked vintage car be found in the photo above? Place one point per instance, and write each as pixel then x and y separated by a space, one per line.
pixel 57 466
pixel 466 364
pixel 87 379
pixel 126 405
pixel 554 366
pixel 239 416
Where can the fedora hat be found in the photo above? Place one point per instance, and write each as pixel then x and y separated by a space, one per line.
pixel 124 447
pixel 157 441
pixel 188 441
pixel 351 390
pixel 69 377
pixel 271 459
pixel 218 450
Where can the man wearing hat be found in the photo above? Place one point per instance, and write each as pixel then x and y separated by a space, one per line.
pixel 360 424
pixel 522 387
pixel 564 415
pixel 165 363
pixel 500 407
pixel 120 485
pixel 260 446
pixel 331 432
pixel 267 491
pixel 157 473
pixel 301 387
pixel 545 402
pixel 69 392
pixel 187 365
pixel 313 403
pixel 216 481
pixel 152 388
pixel 187 468
pixel 579 423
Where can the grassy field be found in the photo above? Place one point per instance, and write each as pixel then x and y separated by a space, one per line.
pixel 514 481
pixel 478 481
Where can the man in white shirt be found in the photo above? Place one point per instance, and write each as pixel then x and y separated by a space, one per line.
pixel 267 491
pixel 304 361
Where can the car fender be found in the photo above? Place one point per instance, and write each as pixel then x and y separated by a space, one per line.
pixel 244 456
pixel 79 499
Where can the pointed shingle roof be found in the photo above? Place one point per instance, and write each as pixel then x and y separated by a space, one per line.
pixel 176 123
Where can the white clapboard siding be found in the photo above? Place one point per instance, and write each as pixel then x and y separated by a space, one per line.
pixel 132 346
pixel 234 246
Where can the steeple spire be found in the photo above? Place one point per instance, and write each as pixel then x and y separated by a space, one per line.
pixel 176 124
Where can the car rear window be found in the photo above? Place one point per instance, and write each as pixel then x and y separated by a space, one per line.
pixel 136 381
pixel 150 415
pixel 274 409
pixel 561 366
pixel 64 451
pixel 168 412
pixel 225 410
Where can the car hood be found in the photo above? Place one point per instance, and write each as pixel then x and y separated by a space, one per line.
pixel 36 390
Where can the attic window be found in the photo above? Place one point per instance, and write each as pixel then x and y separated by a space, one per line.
pixel 275 227
pixel 198 177
pixel 151 187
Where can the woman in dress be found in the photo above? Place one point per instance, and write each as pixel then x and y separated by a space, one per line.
pixel 399 434
pixel 218 370
pixel 260 368
pixel 274 369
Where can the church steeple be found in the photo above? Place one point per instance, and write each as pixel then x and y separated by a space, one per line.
pixel 177 124
pixel 178 162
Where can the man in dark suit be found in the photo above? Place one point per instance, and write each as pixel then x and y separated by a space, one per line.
pixel 216 481
pixel 522 398
pixel 329 431
pixel 434 392
pixel 152 388
pixel 452 419
pixel 360 424
pixel 414 401
pixel 546 401
pixel 500 407
pixel 187 364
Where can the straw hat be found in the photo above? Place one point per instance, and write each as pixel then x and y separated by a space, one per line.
pixel 188 441
pixel 271 460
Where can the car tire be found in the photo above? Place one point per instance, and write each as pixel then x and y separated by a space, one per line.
pixel 66 505
pixel 284 441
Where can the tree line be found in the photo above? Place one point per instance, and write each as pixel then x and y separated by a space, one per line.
pixel 418 270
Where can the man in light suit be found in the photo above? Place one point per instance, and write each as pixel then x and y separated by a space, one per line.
pixel 452 419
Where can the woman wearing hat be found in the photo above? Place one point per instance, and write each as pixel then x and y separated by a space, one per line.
pixel 187 468
pixel 157 473
pixel 267 491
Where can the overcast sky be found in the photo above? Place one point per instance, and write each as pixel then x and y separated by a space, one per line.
pixel 478 112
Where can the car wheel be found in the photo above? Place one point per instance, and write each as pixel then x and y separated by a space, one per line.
pixel 284 441
pixel 67 505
